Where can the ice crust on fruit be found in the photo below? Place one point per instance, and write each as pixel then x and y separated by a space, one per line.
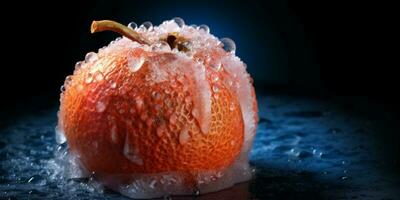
pixel 208 73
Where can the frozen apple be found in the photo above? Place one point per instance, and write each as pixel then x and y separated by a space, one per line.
pixel 165 109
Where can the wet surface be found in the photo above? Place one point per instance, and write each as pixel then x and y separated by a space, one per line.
pixel 305 148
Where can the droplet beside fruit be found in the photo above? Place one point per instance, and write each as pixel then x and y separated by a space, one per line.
pixel 165 109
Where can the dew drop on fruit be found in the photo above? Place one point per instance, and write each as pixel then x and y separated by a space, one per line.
pixel 215 88
pixel 216 65
pixel 98 76
pixel 214 78
pixel 184 136
pixel 114 133
pixel 113 85
pixel 100 106
pixel 231 106
pixel 160 47
pixel 204 27
pixel 62 88
pixel 179 21
pixel 147 25
pixel 135 63
pixel 131 153
pixel 132 25
pixel 228 45
pixel 89 78
pixel 60 137
pixel 91 57
pixel 78 65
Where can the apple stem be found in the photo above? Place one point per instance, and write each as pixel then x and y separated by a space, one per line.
pixel 109 25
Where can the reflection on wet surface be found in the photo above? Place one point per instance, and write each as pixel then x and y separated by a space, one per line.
pixel 304 149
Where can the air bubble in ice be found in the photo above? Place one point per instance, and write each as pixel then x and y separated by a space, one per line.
pixel 179 21
pixel 132 25
pixel 228 45
pixel 204 27
pixel 91 57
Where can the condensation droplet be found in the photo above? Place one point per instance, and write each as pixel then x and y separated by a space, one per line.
pixel 114 136
pixel 160 131
pixel 78 65
pixel 160 47
pixel 89 78
pixel 131 153
pixel 135 63
pixel 217 66
pixel 204 27
pixel 179 21
pixel 214 78
pixel 147 25
pixel 184 136
pixel 215 88
pixel 113 85
pixel 100 106
pixel 60 137
pixel 132 25
pixel 99 76
pixel 91 57
pixel 228 45
pixel 232 106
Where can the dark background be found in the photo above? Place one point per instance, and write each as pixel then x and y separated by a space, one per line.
pixel 292 46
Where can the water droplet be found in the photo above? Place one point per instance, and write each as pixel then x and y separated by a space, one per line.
pixel 131 153
pixel 99 76
pixel 344 177
pixel 91 57
pixel 135 63
pixel 132 25
pixel 152 184
pixel 31 179
pixel 173 119
pixel 89 78
pixel 204 27
pixel 100 106
pixel 314 151
pixel 217 66
pixel 215 88
pixel 196 192
pixel 232 106
pixel 147 25
pixel 114 135
pixel 160 131
pixel 139 103
pixel 113 84
pixel 228 45
pixel 184 136
pixel 179 21
pixel 193 26
pixel 62 88
pixel 160 47
pixel 214 77
pixel 78 65
pixel 60 137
